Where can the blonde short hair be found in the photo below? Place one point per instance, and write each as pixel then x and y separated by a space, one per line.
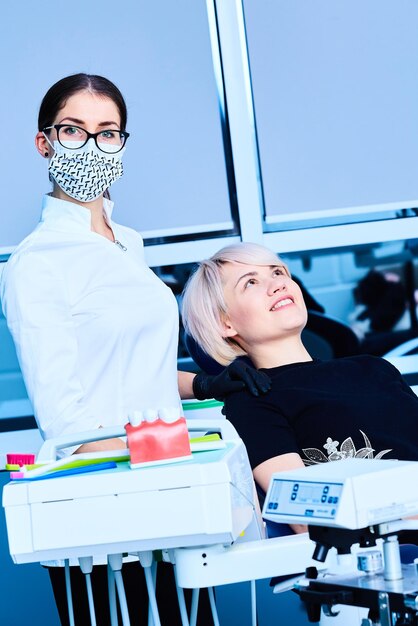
pixel 204 307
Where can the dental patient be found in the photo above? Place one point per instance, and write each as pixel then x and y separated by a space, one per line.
pixel 242 302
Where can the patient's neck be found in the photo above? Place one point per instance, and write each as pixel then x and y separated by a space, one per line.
pixel 281 352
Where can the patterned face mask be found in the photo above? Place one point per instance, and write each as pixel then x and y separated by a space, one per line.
pixel 85 173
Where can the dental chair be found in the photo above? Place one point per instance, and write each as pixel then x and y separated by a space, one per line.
pixel 327 337
pixel 405 358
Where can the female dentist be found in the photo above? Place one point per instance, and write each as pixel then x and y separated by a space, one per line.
pixel 95 329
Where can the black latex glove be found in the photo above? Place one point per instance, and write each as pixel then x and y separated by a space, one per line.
pixel 235 377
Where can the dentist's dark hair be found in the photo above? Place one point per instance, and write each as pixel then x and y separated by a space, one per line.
pixel 57 95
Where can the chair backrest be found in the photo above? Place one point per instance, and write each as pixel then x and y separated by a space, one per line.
pixel 201 358
pixel 326 337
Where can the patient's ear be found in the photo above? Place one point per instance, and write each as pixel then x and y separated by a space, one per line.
pixel 228 329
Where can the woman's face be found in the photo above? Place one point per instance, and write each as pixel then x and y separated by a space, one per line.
pixel 86 110
pixel 263 303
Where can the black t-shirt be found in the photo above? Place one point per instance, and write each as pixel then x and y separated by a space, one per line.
pixel 328 410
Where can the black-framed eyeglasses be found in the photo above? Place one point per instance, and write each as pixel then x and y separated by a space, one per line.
pixel 73 137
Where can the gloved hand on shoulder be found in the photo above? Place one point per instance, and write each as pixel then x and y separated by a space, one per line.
pixel 235 377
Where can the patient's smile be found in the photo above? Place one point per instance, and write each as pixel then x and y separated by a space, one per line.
pixel 281 303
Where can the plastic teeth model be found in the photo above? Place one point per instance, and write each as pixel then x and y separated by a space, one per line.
pixel 156 437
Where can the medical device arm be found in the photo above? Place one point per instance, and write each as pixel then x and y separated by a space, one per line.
pixel 210 566
pixel 351 503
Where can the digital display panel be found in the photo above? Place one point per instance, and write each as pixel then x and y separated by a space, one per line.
pixel 303 499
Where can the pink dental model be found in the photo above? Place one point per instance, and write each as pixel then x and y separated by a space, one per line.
pixel 157 437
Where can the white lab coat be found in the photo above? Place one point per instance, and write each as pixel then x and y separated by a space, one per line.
pixel 95 330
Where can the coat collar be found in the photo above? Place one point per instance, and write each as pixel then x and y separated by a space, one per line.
pixel 70 214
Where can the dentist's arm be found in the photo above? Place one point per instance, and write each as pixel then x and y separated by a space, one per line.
pixel 237 376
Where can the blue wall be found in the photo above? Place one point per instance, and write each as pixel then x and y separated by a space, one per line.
pixel 26 595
